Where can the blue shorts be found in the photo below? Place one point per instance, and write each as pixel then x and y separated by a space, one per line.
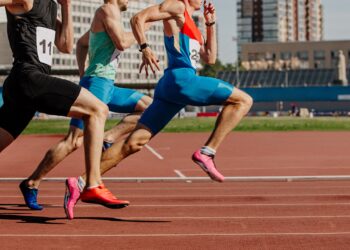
pixel 181 87
pixel 121 100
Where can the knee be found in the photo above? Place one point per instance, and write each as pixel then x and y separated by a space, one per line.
pixel 135 144
pixel 73 144
pixel 247 102
pixel 100 111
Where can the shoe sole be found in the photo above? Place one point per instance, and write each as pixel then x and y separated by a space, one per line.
pixel 205 169
pixel 112 206
pixel 65 201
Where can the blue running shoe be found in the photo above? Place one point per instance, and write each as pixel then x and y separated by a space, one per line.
pixel 106 145
pixel 30 196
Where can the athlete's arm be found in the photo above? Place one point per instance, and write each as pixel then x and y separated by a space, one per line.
pixel 166 10
pixel 64 29
pixel 209 50
pixel 112 22
pixel 17 6
pixel 82 51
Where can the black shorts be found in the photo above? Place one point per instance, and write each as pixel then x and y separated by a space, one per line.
pixel 27 90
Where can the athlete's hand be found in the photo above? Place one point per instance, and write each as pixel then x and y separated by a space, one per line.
pixel 209 12
pixel 149 60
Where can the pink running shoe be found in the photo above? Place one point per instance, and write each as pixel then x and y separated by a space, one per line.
pixel 207 164
pixel 71 196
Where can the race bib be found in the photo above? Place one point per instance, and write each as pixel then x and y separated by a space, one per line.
pixel 45 40
pixel 115 58
pixel 194 53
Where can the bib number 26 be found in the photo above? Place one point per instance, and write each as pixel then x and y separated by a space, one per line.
pixel 44 43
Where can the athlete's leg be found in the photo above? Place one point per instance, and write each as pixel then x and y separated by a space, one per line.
pixel 5 139
pixel 72 141
pixel 94 114
pixel 235 108
pixel 153 120
pixel 126 101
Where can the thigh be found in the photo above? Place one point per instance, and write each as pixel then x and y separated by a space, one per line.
pixel 52 95
pixel 14 119
pixel 207 91
pixel 101 88
pixel 158 115
pixel 124 100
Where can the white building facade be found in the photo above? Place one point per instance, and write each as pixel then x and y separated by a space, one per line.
pixel 279 20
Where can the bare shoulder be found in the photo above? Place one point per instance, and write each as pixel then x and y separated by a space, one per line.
pixel 108 11
pixel 176 7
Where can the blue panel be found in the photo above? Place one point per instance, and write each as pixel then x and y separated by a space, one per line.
pixel 302 94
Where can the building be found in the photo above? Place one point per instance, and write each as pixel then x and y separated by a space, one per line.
pixel 294 55
pixel 279 21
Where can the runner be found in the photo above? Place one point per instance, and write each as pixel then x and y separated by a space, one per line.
pixel 33 29
pixel 104 43
pixel 180 86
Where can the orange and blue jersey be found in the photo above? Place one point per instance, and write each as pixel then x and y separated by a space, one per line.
pixel 190 42
pixel 180 86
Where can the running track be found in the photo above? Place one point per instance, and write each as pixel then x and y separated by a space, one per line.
pixel 191 215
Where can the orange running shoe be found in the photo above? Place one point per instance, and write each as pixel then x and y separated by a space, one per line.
pixel 101 195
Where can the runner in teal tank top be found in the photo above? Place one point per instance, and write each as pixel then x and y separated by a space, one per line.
pixel 100 75
pixel 103 56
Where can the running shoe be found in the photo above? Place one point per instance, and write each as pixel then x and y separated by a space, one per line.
pixel 106 145
pixel 207 164
pixel 30 196
pixel 71 196
pixel 101 195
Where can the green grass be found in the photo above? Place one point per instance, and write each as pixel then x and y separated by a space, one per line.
pixel 206 125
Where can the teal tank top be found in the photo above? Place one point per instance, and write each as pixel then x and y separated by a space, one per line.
pixel 103 56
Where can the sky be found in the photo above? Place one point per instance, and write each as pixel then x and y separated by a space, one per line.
pixel 336 22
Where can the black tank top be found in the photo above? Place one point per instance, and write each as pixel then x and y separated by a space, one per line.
pixel 32 35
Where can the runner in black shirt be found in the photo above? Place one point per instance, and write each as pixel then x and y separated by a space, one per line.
pixel 33 29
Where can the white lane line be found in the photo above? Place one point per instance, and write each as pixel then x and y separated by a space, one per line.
pixel 238 217
pixel 206 179
pixel 181 175
pixel 220 205
pixel 166 196
pixel 154 152
pixel 178 235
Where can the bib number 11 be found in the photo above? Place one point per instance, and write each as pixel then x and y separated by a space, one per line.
pixel 44 44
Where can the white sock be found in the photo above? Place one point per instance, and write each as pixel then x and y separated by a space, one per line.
pixel 81 184
pixel 208 151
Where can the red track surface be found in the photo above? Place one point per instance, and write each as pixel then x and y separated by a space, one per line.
pixel 255 215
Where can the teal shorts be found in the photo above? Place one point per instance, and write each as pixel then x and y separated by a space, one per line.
pixel 120 100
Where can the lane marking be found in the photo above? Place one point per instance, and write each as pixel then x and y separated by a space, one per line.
pixel 206 179
pixel 154 152
pixel 180 174
pixel 177 235
pixel 166 196
pixel 217 205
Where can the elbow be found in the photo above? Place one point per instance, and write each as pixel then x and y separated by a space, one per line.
pixel 66 48
pixel 135 21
